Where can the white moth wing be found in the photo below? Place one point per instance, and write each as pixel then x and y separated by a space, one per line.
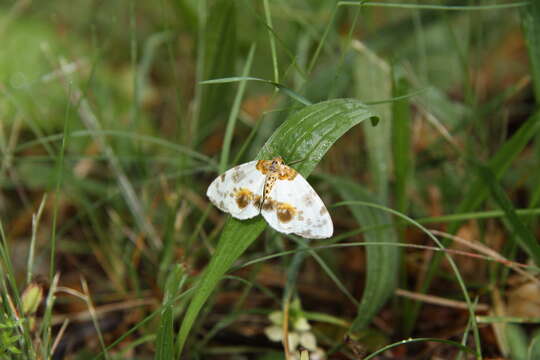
pixel 236 190
pixel 296 208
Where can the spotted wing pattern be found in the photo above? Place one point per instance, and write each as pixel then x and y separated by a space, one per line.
pixel 238 190
pixel 294 207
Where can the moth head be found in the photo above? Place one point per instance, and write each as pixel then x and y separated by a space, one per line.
pixel 277 162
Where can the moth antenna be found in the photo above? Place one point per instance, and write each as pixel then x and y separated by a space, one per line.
pixel 297 161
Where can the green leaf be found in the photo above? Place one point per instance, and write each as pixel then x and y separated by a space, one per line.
pixel 517 341
pixel 382 261
pixel 534 347
pixel 523 234
pixel 401 141
pixel 306 135
pixel 373 82
pixel 219 54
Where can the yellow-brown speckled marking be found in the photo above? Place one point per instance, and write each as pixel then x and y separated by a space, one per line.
pixel 274 170
pixel 285 212
pixel 269 204
pixel 276 167
pixel 243 197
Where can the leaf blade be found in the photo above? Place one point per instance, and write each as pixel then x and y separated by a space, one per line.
pixel 524 237
pixel 382 261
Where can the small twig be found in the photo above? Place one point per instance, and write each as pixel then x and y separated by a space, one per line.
pixel 59 336
pixel 286 329
pixel 492 254
pixel 436 300
pixel 93 316
pixel 99 311
pixel 438 125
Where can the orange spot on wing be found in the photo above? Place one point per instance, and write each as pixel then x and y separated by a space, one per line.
pixel 287 173
pixel 263 166
pixel 285 212
pixel 243 197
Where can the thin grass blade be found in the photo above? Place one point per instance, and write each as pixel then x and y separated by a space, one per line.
pixel 382 261
pixel 534 347
pixel 524 236
pixel 517 341
pixel 530 19
pixel 165 335
pixel 218 58
pixel 224 160
pixel 401 141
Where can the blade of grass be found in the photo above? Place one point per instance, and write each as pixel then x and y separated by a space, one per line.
pixel 229 131
pixel 59 181
pixel 134 121
pixel 8 273
pixel 434 7
pixel 401 141
pixel 382 261
pixel 292 94
pixel 534 347
pixel 326 269
pixel 165 335
pixel 523 235
pixel 293 269
pixel 402 158
pixel 530 20
pixel 506 319
pixel 94 317
pixel 475 216
pixel 45 329
pixel 307 134
pixel 516 339
pixel 465 336
pixel 121 134
pixel 218 55
pixel 268 17
pixel 412 341
pixel 35 224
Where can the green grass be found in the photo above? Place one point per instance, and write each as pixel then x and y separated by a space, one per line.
pixel 116 116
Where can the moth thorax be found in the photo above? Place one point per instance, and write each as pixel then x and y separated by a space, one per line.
pixel 270 181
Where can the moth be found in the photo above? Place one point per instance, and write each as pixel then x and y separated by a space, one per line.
pixel 269 187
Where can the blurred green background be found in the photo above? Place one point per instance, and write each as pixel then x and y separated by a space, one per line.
pixel 108 141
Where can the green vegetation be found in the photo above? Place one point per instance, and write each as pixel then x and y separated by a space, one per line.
pixel 416 122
